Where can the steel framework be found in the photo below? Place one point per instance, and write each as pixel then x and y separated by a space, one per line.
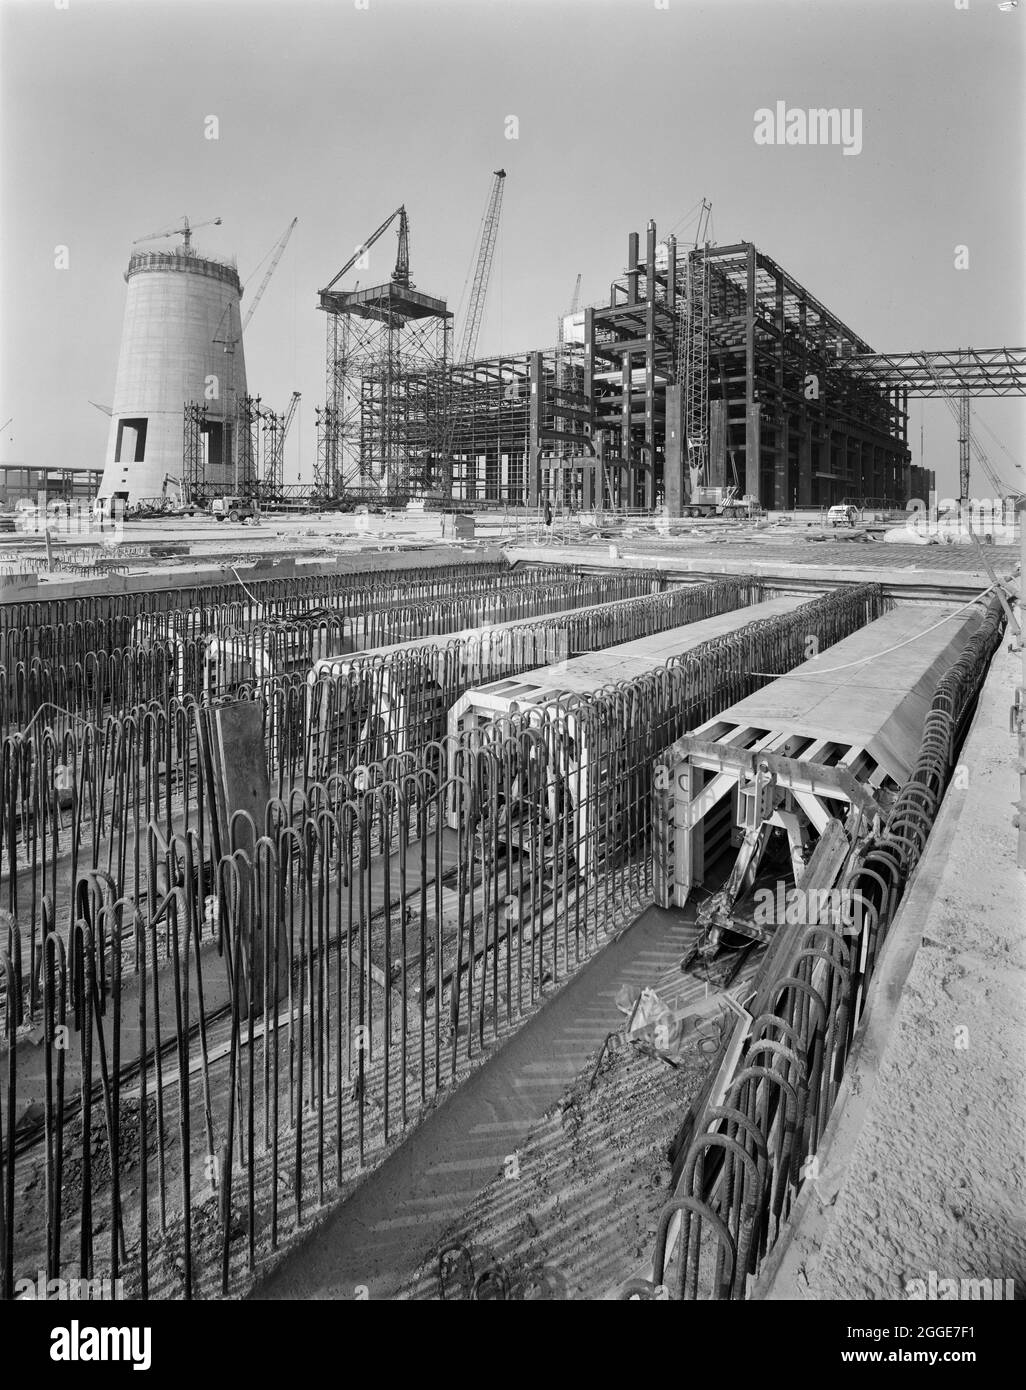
pixel 387 349
pixel 975 371
pixel 276 428
pixel 248 432
pixel 780 400
pixel 192 451
pixel 712 357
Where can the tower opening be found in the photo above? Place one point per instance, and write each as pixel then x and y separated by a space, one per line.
pixel 131 445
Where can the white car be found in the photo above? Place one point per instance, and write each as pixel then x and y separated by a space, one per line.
pixel 842 515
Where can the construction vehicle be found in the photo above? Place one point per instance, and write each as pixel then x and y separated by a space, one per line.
pixel 235 509
pixel 723 502
pixel 183 508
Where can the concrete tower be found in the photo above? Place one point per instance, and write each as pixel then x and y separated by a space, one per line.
pixel 181 344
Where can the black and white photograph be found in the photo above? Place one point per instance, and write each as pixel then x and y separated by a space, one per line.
pixel 512 671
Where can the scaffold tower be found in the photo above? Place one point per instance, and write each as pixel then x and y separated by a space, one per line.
pixel 388 347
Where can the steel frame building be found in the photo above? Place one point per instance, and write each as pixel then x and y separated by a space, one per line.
pixel 786 413
pixel 786 419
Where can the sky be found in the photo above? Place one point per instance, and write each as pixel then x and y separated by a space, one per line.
pixel 337 111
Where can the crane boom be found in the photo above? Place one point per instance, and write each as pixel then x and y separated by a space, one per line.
pixel 483 270
pixel 278 251
pixel 291 412
pixel 402 265
pixel 702 230
pixel 184 229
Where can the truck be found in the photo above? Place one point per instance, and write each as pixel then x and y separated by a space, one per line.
pixel 239 509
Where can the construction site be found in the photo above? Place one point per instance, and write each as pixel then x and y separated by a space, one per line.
pixel 571 847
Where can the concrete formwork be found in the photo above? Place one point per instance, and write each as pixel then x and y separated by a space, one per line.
pixel 824 747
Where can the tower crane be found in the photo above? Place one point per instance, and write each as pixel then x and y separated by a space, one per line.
pixel 401 273
pixel 185 230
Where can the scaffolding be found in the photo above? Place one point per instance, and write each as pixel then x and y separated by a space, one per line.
pixel 276 428
pixel 193 453
pixel 387 350
pixel 248 435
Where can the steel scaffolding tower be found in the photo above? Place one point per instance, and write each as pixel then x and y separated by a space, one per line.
pixel 387 350
pixel 247 428
pixel 276 428
pixel 193 460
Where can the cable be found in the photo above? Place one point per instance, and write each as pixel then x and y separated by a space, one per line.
pixel 1008 454
pixel 776 675
pixel 248 592
pixel 686 218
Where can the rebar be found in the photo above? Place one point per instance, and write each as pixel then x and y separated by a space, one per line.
pixel 749 1158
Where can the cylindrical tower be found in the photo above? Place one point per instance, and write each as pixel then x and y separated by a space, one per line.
pixel 181 345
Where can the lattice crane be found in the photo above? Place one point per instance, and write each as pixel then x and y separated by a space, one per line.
pixel 278 252
pixel 483 269
pixel 230 340
pixel 401 273
pixel 475 311
pixel 693 352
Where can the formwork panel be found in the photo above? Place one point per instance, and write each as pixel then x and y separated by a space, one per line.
pixel 870 691
pixel 591 671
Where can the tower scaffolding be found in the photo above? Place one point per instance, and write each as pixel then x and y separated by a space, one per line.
pixel 387 349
